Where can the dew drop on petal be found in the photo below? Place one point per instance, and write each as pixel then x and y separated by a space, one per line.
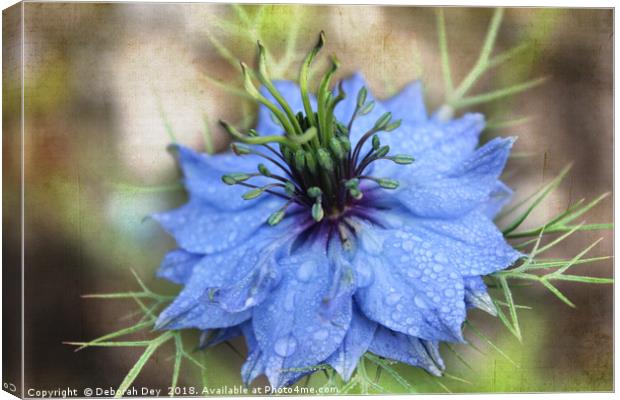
pixel 414 273
pixel 321 334
pixel 364 275
pixel 305 271
pixel 419 301
pixel 285 346
pixel 392 298
pixel 289 301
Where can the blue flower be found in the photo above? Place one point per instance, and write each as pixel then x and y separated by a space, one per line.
pixel 338 248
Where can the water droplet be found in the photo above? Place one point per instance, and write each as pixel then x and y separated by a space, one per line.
pixel 392 298
pixel 321 334
pixel 364 275
pixel 414 273
pixel 305 271
pixel 408 245
pixel 440 258
pixel 285 346
pixel 419 301
pixel 289 301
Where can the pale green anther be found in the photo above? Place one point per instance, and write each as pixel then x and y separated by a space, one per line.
pixel 314 192
pixel 325 160
pixel 352 183
pixel 311 161
pixel 252 194
pixel 383 121
pixel 376 143
pixel 345 142
pixel 356 193
pixel 300 159
pixel 232 179
pixel 263 170
pixel 361 97
pixel 239 150
pixel 289 188
pixel 336 148
pixel 402 159
pixel 383 151
pixel 387 183
pixel 392 126
pixel 368 107
pixel 317 211
pixel 276 217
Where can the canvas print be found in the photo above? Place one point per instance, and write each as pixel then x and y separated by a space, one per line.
pixel 228 199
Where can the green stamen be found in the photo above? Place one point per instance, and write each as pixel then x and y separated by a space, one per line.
pixel 317 210
pixel 276 217
pixel 264 170
pixel 252 194
pixel 233 179
pixel 321 167
pixel 303 78
pixel 402 159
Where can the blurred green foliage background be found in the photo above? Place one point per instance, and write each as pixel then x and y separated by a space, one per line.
pixel 104 83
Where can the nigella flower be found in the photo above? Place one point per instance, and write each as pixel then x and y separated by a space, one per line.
pixel 336 230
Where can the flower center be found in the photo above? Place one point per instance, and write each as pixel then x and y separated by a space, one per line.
pixel 317 165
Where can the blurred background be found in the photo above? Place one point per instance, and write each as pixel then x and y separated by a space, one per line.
pixel 106 84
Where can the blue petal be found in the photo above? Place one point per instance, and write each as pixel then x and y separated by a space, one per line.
pixel 408 349
pixel 207 339
pixel 198 313
pixel 408 105
pixel 254 365
pixel 292 94
pixel 178 265
pixel 259 273
pixel 200 228
pixel 296 327
pixel 223 272
pixel 436 146
pixel 463 189
pixel 413 289
pixel 203 177
pixel 476 295
pixel 498 198
pixel 355 343
pixel 472 244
